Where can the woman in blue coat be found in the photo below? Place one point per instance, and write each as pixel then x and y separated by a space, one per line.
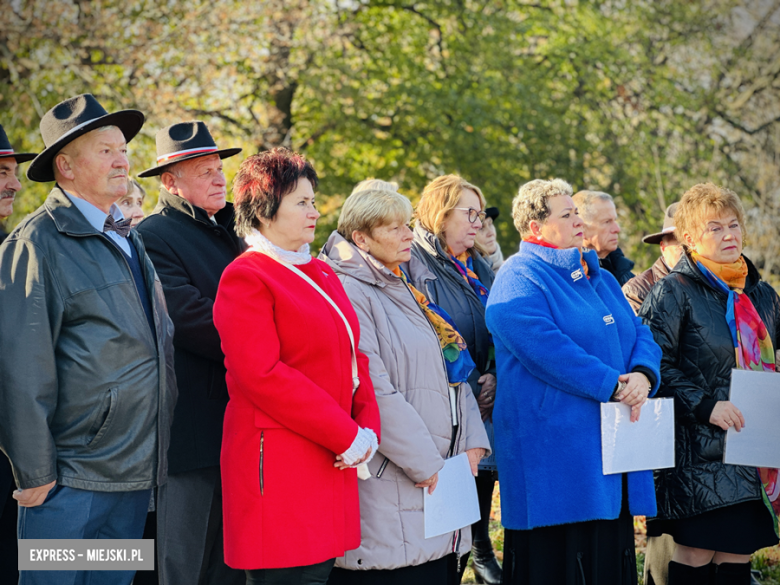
pixel 566 340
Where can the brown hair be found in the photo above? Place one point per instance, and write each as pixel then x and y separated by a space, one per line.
pixel 703 201
pixel 438 200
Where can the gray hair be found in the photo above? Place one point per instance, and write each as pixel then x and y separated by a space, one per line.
pixel 375 185
pixel 584 201
pixel 365 210
pixel 531 202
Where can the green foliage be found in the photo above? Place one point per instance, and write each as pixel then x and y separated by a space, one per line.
pixel 626 97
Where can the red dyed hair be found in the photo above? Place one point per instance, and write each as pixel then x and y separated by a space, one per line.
pixel 261 182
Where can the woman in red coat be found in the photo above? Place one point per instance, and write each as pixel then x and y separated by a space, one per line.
pixel 296 427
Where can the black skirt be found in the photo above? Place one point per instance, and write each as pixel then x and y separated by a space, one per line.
pixel 598 552
pixel 442 571
pixel 739 529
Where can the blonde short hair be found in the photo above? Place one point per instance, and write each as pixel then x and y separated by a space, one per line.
pixel 704 201
pixel 363 211
pixel 375 185
pixel 532 202
pixel 439 198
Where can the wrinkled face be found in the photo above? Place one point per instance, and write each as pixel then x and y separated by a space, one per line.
pixel 563 228
pixel 602 233
pixel 201 182
pixel 720 239
pixel 486 236
pixel 96 166
pixel 391 243
pixel 295 220
pixel 9 185
pixel 131 206
pixel 459 232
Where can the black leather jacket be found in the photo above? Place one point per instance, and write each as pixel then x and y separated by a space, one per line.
pixel 87 391
pixel 688 319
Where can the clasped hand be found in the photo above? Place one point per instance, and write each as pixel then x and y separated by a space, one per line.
pixel 635 393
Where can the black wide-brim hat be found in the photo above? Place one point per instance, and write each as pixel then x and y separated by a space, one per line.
pixel 7 151
pixel 185 141
pixel 73 118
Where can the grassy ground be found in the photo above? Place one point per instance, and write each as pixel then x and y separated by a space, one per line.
pixel 766 560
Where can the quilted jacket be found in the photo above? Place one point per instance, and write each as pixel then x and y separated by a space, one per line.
pixel 687 317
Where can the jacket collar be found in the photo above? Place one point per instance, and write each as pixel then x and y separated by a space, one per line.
pixel 346 258
pixel 431 245
pixel 616 261
pixel 566 260
pixel 659 269
pixel 688 267
pixel 66 216
pixel 224 216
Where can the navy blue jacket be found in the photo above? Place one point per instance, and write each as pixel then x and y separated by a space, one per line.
pixel 561 342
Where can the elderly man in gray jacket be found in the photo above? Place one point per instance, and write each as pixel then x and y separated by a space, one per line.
pixel 86 381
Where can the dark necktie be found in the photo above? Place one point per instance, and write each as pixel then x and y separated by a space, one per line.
pixel 121 227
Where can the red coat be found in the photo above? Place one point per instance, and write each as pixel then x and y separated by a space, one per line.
pixel 289 374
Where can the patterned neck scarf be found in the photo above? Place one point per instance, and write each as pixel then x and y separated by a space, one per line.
pixel 465 265
pixel 752 345
pixel 456 355
pixel 541 242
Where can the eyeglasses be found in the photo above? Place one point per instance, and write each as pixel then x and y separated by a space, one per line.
pixel 473 214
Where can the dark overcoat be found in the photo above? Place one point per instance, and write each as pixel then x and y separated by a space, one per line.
pixel 190 252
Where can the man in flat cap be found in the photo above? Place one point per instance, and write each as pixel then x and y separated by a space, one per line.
pixel 191 239
pixel 598 213
pixel 9 186
pixel 87 388
pixel 639 287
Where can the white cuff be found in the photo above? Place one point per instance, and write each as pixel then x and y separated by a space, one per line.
pixel 365 439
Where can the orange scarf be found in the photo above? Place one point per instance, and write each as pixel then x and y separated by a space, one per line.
pixel 733 274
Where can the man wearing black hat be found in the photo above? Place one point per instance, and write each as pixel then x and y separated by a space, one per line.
pixel 86 379
pixel 191 239
pixel 638 287
pixel 9 186
pixel 9 183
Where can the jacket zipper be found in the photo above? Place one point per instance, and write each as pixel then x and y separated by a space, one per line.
pixel 262 440
pixel 453 411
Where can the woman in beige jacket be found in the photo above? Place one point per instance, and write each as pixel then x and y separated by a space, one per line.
pixel 428 414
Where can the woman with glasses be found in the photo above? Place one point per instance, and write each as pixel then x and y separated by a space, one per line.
pixel 711 314
pixel 449 215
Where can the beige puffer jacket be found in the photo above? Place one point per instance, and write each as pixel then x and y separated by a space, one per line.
pixel 416 409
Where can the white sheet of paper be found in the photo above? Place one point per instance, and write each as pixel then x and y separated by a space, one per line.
pixel 642 445
pixel 757 396
pixel 454 502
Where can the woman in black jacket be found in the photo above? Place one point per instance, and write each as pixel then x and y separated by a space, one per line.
pixel 714 511
pixel 449 215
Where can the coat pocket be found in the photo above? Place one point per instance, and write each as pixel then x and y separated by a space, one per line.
pixel 262 447
pixel 103 418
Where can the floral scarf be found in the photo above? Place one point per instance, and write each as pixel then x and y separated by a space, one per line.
pixel 456 356
pixel 752 345
pixel 541 242
pixel 465 265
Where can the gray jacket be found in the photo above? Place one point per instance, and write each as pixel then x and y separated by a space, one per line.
pixel 86 391
pixel 448 289
pixel 416 408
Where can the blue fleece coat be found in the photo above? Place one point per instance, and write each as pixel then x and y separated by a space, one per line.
pixel 561 342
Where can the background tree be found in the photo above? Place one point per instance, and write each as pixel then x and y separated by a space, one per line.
pixel 640 99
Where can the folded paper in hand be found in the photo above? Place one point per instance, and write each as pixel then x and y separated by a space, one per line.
pixel 757 396
pixel 453 504
pixel 642 445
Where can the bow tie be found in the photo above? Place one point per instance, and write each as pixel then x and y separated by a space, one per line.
pixel 121 227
